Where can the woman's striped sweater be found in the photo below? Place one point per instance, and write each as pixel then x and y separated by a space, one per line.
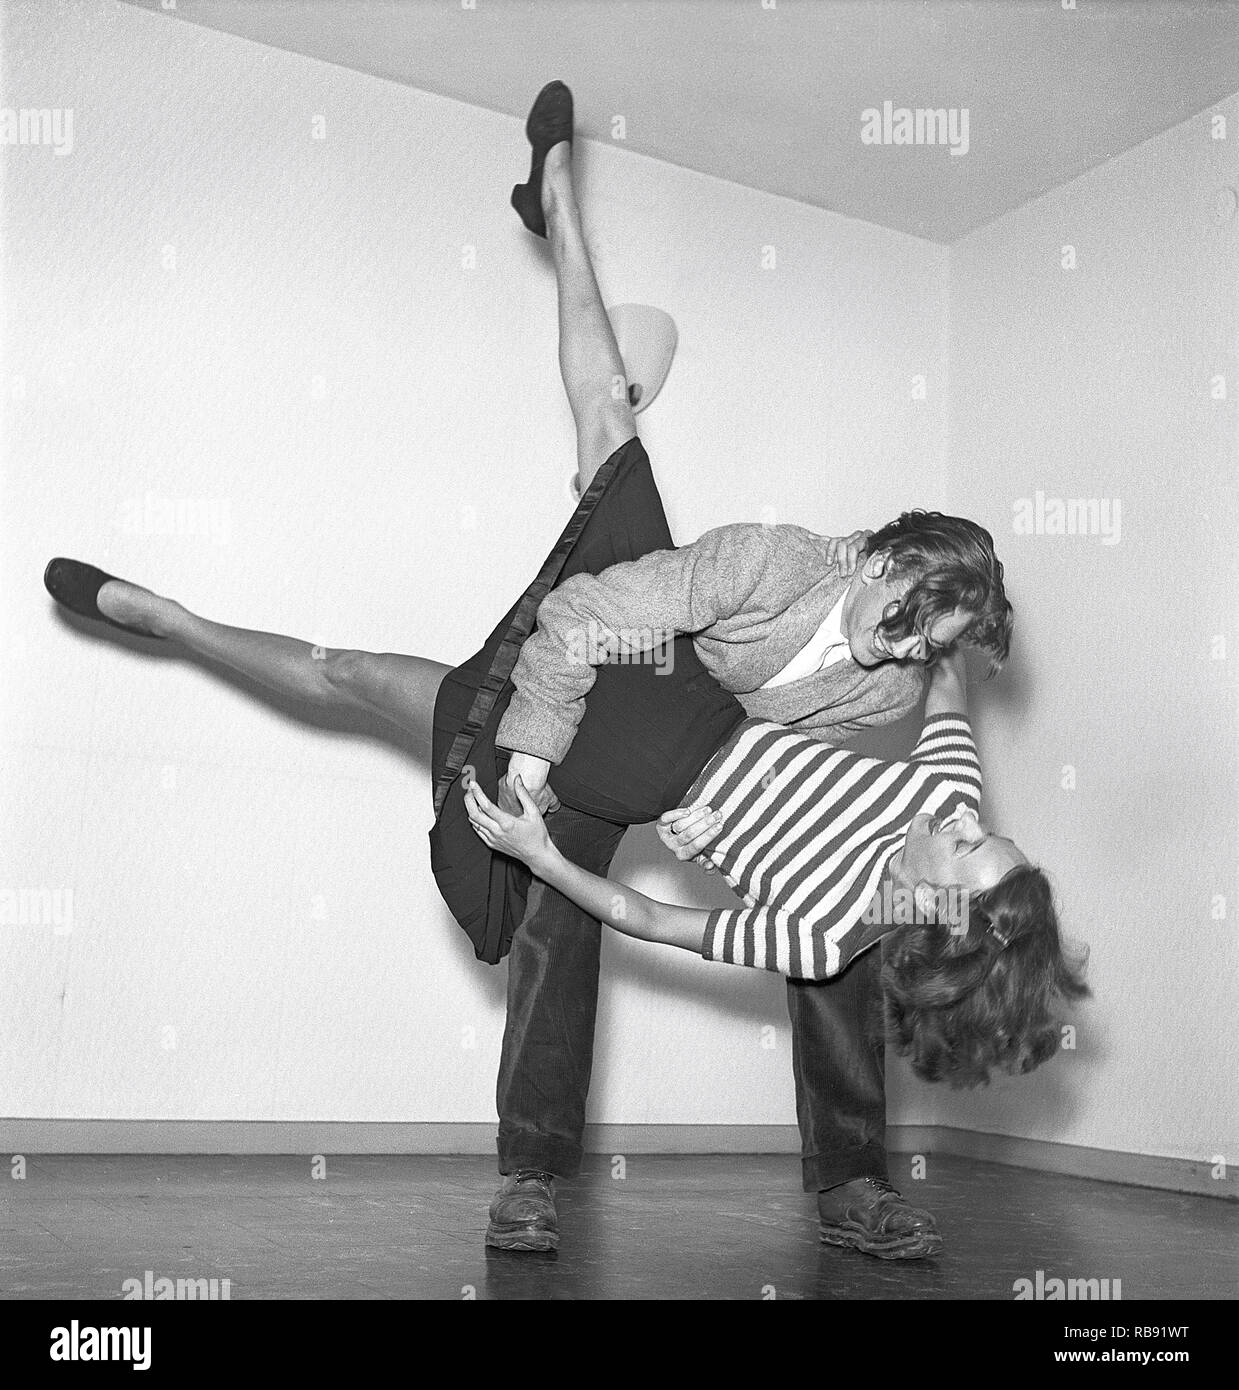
pixel 808 832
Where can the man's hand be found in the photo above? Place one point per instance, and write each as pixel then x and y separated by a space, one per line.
pixel 687 830
pixel 845 552
pixel 533 772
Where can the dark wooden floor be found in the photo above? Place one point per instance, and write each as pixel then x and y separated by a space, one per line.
pixel 391 1227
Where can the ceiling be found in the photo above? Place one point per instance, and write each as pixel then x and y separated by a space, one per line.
pixel 772 97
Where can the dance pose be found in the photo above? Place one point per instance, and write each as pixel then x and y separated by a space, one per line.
pixel 768 625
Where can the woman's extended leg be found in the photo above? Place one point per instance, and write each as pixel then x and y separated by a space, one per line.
pixel 589 357
pixel 400 688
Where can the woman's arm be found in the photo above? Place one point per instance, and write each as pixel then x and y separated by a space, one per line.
pixel 525 837
pixel 948 685
pixel 622 907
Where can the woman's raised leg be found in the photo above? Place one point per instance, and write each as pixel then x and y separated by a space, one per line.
pixel 400 688
pixel 589 357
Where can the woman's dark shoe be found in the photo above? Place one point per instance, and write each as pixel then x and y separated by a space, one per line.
pixel 550 121
pixel 76 587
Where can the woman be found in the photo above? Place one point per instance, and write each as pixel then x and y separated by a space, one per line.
pixel 833 852
pixel 660 735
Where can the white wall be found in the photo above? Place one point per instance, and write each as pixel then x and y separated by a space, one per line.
pixel 206 304
pixel 1096 382
pixel 382 436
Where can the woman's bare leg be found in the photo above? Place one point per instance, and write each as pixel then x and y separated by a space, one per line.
pixel 400 688
pixel 589 357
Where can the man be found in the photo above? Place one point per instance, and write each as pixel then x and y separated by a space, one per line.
pixel 776 622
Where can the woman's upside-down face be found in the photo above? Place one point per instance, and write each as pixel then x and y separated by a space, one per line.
pixel 954 848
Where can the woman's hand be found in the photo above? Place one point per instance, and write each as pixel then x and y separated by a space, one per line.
pixel 523 837
pixel 951 665
pixel 948 684
pixel 687 830
pixel 845 552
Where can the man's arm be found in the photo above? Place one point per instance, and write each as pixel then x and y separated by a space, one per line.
pixel 632 606
pixel 629 607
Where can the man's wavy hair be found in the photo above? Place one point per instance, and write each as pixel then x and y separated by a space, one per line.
pixel 954 565
pixel 961 1003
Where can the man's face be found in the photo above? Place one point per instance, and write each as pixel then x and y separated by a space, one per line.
pixel 872 597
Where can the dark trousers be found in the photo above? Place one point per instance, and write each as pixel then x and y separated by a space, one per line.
pixel 548 1044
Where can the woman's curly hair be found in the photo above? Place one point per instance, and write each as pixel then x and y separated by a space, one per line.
pixel 960 1003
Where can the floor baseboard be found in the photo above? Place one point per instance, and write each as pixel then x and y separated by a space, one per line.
pixel 34 1136
pixel 1196 1175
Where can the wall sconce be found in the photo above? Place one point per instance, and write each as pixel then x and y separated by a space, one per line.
pixel 647 339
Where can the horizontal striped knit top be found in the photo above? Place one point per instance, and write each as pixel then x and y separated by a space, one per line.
pixel 808 832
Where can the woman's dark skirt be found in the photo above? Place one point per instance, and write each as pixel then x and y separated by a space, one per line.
pixel 649 726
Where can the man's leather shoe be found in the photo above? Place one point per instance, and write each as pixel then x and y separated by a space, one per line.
pixel 870 1215
pixel 522 1216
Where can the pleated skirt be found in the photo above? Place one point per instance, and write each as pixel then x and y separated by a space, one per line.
pixel 650 725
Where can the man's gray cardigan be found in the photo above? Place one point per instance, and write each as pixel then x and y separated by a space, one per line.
pixel 751 596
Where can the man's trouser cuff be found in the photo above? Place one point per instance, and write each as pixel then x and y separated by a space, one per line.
pixel 829 1170
pixel 543 1152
